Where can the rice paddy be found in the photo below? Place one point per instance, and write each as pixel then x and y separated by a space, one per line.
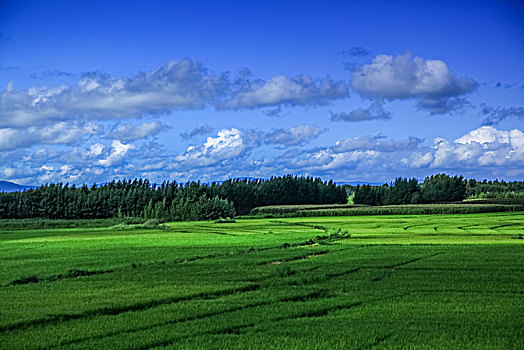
pixel 397 281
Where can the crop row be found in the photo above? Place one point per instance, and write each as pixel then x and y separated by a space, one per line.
pixel 414 209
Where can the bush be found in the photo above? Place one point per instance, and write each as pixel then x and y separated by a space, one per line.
pixel 225 221
pixel 151 223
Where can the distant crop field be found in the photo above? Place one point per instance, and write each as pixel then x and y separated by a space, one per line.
pixel 467 207
pixel 357 282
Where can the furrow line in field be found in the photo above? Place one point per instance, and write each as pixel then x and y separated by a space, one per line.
pixel 68 275
pixel 321 312
pixel 237 329
pixel 166 342
pixel 388 269
pixel 74 273
pixel 116 310
pixel 322 278
pixel 505 225
pixel 376 342
pixel 394 266
pixel 470 291
pixel 316 227
pixel 323 293
pixel 295 258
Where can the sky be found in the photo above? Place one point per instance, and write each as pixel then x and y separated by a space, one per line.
pixel 92 91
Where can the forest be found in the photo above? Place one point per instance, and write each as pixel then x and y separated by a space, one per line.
pixel 171 201
pixel 439 188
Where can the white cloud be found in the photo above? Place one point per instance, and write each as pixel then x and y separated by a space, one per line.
pixel 227 145
pixel 183 84
pixel 481 148
pixel 118 152
pixel 356 153
pixel 281 89
pixel 431 82
pixel 484 136
pixel 128 132
pixel 96 149
pixel 58 133
pixel 482 152
pixel 177 85
pixel 233 143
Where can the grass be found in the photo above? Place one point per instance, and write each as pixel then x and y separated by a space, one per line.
pixel 399 281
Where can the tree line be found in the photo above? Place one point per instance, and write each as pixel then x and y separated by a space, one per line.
pixel 437 188
pixel 168 201
pixel 196 201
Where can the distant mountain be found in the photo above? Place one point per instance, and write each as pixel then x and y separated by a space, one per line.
pixel 6 186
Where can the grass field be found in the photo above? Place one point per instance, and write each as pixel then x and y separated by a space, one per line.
pixel 427 281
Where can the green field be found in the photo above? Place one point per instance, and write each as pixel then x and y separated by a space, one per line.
pixel 359 282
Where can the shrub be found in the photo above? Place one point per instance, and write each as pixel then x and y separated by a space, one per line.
pixel 225 221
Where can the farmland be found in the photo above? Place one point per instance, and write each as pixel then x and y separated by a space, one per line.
pixel 465 207
pixel 396 281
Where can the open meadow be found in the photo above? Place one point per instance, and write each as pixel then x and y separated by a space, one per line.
pixel 396 281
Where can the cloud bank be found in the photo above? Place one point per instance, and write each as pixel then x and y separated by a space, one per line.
pixel 485 152
pixel 177 85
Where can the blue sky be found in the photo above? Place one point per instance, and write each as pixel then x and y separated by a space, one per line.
pixel 354 90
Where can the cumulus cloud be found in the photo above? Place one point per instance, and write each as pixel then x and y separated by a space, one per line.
pixel 358 154
pixel 431 82
pixel 84 163
pixel 482 152
pixel 233 143
pixel 373 112
pixel 227 145
pixel 58 133
pixel 118 152
pixel 183 84
pixel 198 131
pixel 485 147
pixel 128 132
pixel 494 116
pixel 299 90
